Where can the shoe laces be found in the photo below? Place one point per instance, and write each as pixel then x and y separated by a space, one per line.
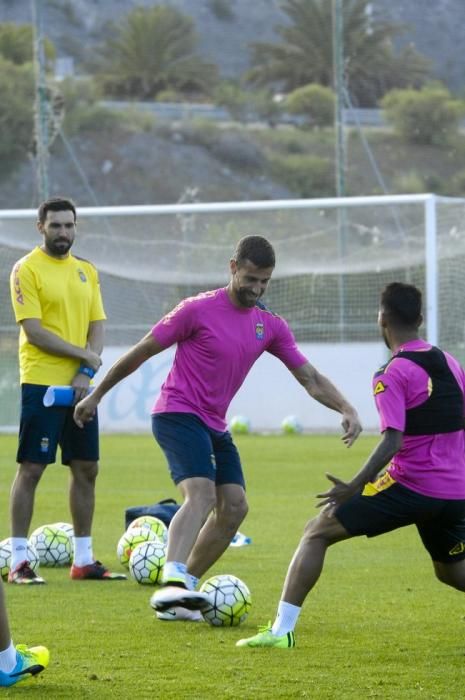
pixel 265 628
pixel 24 651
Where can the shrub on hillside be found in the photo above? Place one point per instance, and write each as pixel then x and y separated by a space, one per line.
pixel 313 102
pixel 427 116
pixel 306 176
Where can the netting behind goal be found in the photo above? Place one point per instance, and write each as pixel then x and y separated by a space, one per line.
pixel 333 258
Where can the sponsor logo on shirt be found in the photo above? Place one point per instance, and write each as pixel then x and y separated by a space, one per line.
pixel 379 388
pixel 17 285
pixel 259 331
pixel 82 276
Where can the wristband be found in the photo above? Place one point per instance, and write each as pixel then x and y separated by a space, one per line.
pixel 88 371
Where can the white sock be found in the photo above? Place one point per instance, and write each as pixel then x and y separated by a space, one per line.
pixel 83 554
pixel 175 571
pixel 191 582
pixel 286 618
pixel 8 658
pixel 18 551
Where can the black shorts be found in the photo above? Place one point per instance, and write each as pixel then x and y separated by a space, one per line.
pixel 42 429
pixel 440 522
pixel 193 449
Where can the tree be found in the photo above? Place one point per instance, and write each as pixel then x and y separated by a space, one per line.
pixel 305 53
pixel 428 116
pixel 16 44
pixel 154 50
pixel 314 103
pixel 16 112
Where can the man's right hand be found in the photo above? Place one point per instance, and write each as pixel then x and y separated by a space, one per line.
pixel 91 359
pixel 84 411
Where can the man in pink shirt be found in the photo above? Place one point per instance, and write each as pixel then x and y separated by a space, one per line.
pixel 219 335
pixel 420 396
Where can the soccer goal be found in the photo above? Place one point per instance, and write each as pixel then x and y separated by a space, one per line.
pixel 333 258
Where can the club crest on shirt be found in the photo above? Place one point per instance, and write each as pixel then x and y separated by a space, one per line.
pixel 82 276
pixel 259 331
pixel 379 388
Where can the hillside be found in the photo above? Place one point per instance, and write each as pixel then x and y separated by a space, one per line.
pixel 436 28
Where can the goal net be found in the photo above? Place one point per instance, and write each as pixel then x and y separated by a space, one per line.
pixel 333 258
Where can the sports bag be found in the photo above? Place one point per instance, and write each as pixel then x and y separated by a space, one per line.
pixel 164 510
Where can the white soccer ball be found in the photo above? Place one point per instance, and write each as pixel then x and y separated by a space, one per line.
pixel 157 526
pixel 239 425
pixel 53 545
pixel 131 538
pixel 291 425
pixel 5 557
pixel 147 561
pixel 230 600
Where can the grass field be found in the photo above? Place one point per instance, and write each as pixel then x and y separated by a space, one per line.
pixel 378 625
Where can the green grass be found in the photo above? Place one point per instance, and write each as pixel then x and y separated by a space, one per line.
pixel 377 625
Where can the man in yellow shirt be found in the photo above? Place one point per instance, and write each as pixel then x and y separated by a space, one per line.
pixel 57 302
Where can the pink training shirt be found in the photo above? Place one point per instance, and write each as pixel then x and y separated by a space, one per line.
pixel 433 465
pixel 217 345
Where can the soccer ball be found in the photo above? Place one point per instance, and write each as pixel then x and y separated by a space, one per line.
pixel 5 557
pixel 67 527
pixel 155 524
pixel 291 425
pixel 230 600
pixel 239 425
pixel 131 538
pixel 53 545
pixel 147 561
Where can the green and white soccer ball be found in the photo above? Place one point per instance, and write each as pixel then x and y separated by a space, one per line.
pixel 129 541
pixel 230 600
pixel 67 527
pixel 155 524
pixel 5 557
pixel 291 425
pixel 147 561
pixel 53 545
pixel 239 425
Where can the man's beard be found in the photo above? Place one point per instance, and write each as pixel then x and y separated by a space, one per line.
pixel 246 298
pixel 60 246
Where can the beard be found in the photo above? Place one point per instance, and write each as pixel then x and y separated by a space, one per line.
pixel 60 246
pixel 246 298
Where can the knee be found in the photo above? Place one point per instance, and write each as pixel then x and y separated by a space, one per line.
pixel 29 474
pixel 318 528
pixel 455 579
pixel 232 513
pixel 201 501
pixel 85 472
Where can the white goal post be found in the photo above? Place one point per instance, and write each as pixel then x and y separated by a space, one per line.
pixel 333 258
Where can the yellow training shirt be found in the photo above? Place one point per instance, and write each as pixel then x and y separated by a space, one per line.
pixel 65 296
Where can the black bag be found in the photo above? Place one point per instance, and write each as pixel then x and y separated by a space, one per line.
pixel 164 510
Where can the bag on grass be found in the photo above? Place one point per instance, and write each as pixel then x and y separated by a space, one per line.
pixel 164 510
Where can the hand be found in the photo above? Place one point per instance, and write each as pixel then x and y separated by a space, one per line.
pixel 80 385
pixel 351 426
pixel 84 411
pixel 340 491
pixel 91 359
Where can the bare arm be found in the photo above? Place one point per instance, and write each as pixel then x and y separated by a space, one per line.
pixel 95 338
pixel 126 365
pixel 322 390
pixel 53 344
pixel 384 451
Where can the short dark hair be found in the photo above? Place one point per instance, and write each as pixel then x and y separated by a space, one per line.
pixel 257 250
pixel 55 204
pixel 402 303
